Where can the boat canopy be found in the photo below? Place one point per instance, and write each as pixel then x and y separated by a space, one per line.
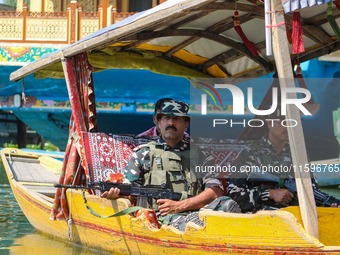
pixel 193 38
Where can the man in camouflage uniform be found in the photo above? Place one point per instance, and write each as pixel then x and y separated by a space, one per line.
pixel 168 161
pixel 271 150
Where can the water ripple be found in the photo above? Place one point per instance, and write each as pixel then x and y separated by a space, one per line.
pixel 17 236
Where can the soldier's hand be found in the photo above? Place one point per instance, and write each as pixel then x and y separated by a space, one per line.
pixel 281 196
pixel 335 205
pixel 113 193
pixel 167 206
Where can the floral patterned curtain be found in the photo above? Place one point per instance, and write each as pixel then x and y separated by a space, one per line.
pixel 78 75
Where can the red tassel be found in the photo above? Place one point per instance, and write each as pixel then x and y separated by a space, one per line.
pixel 337 4
pixel 244 38
pixel 301 81
pixel 297 33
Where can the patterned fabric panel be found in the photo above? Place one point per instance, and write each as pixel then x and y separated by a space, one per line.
pixel 224 151
pixel 291 5
pixel 107 154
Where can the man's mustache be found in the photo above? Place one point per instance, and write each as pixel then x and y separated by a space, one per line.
pixel 168 127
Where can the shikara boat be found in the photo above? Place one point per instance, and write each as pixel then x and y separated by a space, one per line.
pixel 267 232
pixel 191 38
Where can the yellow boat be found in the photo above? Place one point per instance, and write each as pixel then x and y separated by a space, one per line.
pixel 266 232
pixel 161 40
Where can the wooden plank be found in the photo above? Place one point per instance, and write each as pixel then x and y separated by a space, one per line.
pixel 189 19
pixel 35 66
pixel 224 70
pixel 296 137
pixel 173 26
pixel 225 57
pixel 228 56
pixel 314 53
pixel 32 172
pixel 37 184
pixel 204 34
pixel 316 34
pixel 313 32
pixel 181 45
pixel 228 23
pixel 320 19
pixel 27 160
pixel 230 5
pixel 232 55
pixel 216 28
pixel 184 64
pixel 254 72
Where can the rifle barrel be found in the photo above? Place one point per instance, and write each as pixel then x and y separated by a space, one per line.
pixel 74 186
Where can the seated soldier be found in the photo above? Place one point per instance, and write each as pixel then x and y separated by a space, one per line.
pixel 153 132
pixel 271 150
pixel 167 161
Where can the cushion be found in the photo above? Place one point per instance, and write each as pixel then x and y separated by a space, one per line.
pixel 108 153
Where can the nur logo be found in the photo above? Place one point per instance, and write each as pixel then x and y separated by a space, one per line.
pixel 239 102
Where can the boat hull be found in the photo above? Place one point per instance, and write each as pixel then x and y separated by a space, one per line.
pixel 266 232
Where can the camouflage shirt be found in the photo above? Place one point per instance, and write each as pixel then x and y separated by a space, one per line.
pixel 139 164
pixel 252 196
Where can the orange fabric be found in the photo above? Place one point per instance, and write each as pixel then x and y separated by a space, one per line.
pixel 150 216
pixel 115 177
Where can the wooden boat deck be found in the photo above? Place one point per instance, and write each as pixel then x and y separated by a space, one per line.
pixel 33 175
pixel 30 170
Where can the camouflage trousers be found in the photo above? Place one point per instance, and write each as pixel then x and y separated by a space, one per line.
pixel 179 221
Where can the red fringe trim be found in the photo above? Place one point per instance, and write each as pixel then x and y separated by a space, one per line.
pixel 237 26
pixel 337 4
pixel 297 39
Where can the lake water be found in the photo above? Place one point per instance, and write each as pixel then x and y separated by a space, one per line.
pixel 17 236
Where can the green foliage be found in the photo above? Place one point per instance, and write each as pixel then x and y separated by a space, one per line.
pixel 10 145
pixel 33 146
pixel 48 146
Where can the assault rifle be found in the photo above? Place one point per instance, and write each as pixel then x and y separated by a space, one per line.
pixel 150 191
pixel 321 198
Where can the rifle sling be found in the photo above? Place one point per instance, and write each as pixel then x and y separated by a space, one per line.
pixel 118 214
